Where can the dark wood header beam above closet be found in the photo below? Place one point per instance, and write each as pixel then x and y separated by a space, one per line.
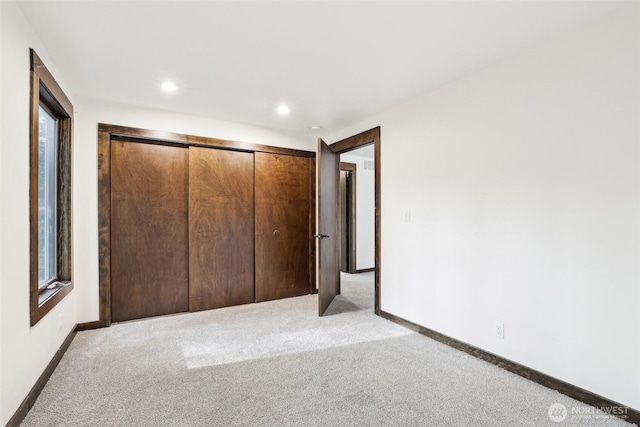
pixel 179 138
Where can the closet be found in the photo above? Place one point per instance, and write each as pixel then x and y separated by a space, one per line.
pixel 197 227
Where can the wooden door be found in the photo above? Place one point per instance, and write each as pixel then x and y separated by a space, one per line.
pixel 282 226
pixel 221 229
pixel 149 235
pixel 328 222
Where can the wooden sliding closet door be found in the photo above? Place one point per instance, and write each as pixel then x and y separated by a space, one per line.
pixel 282 226
pixel 149 240
pixel 221 231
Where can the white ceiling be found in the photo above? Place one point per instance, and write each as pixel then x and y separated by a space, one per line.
pixel 333 63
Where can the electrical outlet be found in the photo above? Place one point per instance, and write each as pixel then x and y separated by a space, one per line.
pixel 498 329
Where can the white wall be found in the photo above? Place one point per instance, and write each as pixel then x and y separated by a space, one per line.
pixel 24 351
pixel 88 115
pixel 365 212
pixel 523 182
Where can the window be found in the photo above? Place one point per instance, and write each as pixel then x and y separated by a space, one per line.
pixel 50 191
pixel 47 221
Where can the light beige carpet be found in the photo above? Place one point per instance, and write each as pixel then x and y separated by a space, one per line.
pixel 279 364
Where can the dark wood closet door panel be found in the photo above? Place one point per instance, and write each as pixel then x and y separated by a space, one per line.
pixel 282 226
pixel 221 232
pixel 149 230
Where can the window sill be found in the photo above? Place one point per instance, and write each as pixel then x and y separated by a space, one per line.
pixel 49 298
pixel 50 291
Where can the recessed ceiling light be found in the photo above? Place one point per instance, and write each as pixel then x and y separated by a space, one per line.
pixel 168 86
pixel 283 110
pixel 316 127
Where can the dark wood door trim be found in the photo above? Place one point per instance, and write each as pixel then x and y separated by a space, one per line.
pixel 351 167
pixel 356 141
pixel 346 166
pixel 104 229
pixel 107 133
pixel 371 136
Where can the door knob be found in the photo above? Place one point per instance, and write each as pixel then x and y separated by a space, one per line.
pixel 320 236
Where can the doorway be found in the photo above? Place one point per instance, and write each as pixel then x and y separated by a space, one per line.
pixel 328 225
pixel 357 209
